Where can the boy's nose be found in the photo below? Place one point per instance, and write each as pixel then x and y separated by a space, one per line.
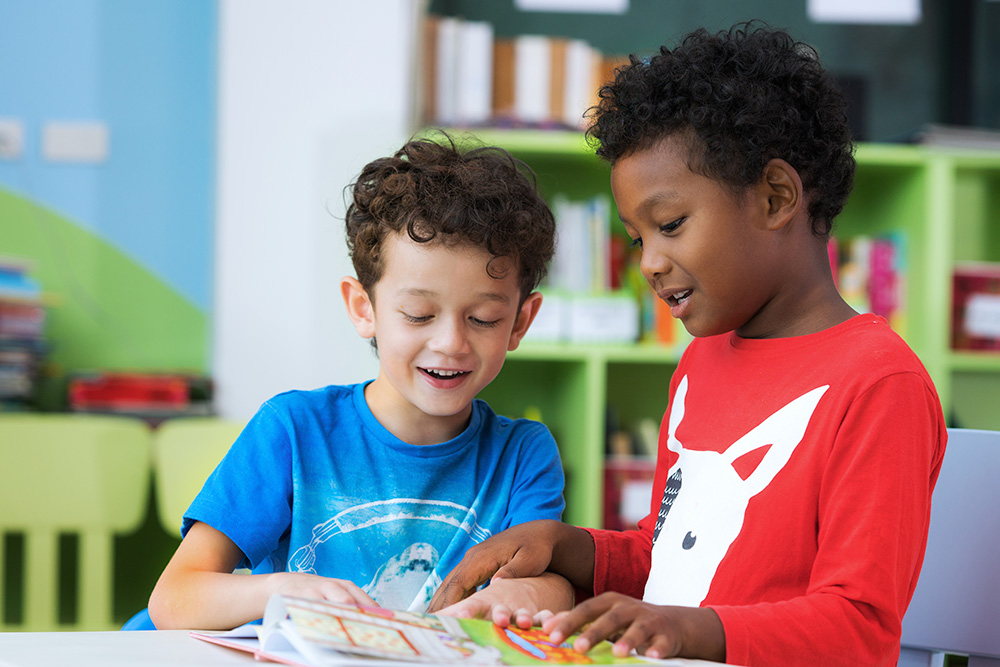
pixel 450 338
pixel 653 264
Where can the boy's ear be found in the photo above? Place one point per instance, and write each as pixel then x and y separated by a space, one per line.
pixel 781 188
pixel 359 306
pixel 524 319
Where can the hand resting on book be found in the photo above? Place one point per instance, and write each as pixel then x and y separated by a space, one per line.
pixel 523 602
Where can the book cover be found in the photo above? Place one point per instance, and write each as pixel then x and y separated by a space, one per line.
pixel 473 73
pixel 532 78
pixel 317 633
pixel 976 306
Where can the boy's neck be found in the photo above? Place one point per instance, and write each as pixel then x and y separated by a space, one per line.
pixel 809 301
pixel 408 422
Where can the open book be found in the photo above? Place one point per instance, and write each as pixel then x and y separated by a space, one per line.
pixel 315 633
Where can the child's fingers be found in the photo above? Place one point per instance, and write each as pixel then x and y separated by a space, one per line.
pixel 565 623
pixel 541 617
pixel 460 584
pixel 521 566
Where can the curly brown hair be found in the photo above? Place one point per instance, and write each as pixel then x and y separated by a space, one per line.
pixel 741 98
pixel 433 189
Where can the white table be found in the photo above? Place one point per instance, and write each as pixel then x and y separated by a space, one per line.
pixel 154 648
pixel 162 648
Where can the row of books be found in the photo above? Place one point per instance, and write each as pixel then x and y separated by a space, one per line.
pixel 594 291
pixel 870 272
pixel 471 77
pixel 22 332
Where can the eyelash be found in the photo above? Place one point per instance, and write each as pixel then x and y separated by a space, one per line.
pixel 475 320
pixel 668 228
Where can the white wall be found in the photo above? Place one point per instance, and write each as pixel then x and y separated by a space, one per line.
pixel 309 91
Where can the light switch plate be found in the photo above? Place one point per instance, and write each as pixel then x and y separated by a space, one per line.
pixel 11 138
pixel 75 141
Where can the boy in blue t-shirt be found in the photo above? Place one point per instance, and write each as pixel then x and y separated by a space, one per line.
pixel 371 493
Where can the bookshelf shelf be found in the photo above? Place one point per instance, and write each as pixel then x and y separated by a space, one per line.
pixel 944 203
pixel 976 362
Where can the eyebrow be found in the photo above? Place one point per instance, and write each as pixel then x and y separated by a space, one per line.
pixel 652 200
pixel 426 293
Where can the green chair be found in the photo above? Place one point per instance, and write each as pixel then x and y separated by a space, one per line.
pixel 82 475
pixel 185 452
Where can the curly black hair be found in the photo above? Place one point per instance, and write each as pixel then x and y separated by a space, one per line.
pixel 741 98
pixel 481 196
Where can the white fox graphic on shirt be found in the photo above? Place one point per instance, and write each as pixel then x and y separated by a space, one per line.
pixel 705 499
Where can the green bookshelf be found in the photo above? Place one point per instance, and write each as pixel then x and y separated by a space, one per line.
pixel 947 204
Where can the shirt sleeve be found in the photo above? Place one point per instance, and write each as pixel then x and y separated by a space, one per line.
pixel 874 513
pixel 248 497
pixel 537 489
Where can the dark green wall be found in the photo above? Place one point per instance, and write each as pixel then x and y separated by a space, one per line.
pixel 908 69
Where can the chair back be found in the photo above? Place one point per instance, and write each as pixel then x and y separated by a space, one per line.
pixel 185 452
pixel 956 605
pixel 82 475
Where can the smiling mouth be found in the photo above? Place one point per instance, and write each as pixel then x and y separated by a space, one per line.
pixel 678 298
pixel 443 374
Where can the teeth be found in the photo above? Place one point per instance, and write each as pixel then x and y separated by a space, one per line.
pixel 444 373
pixel 681 297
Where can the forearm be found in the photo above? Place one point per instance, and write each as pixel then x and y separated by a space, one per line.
pixel 208 600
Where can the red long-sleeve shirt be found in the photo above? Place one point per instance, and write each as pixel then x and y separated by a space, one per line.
pixel 798 476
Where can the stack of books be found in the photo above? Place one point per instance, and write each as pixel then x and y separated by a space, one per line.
pixel 22 333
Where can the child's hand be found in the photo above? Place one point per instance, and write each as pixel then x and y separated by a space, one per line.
pixel 652 630
pixel 525 550
pixel 523 602
pixel 300 584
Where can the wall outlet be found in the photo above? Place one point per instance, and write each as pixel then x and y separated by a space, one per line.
pixel 11 138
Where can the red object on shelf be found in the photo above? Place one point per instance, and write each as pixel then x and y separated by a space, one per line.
pixel 129 391
pixel 976 307
pixel 628 490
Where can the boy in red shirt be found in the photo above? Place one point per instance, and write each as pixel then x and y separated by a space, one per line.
pixel 802 440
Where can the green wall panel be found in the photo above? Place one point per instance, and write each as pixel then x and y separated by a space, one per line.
pixel 105 311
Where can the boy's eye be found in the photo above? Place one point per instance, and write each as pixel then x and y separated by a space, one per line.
pixel 489 324
pixel 672 226
pixel 635 243
pixel 416 319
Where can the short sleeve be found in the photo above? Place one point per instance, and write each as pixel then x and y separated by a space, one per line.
pixel 537 491
pixel 248 497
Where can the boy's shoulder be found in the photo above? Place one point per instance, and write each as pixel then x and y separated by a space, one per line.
pixel 864 347
pixel 321 398
pixel 503 428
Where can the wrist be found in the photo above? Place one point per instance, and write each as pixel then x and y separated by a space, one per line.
pixel 573 556
pixel 702 634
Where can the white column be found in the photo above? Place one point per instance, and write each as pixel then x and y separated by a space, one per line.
pixel 309 91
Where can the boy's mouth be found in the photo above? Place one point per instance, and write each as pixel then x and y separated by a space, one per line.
pixel 678 298
pixel 442 373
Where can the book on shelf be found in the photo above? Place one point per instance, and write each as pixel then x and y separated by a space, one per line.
pixel 315 633
pixel 148 395
pixel 975 322
pixel 472 77
pixel 15 282
pixel 628 490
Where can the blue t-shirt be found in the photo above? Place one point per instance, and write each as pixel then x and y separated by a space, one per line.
pixel 315 483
